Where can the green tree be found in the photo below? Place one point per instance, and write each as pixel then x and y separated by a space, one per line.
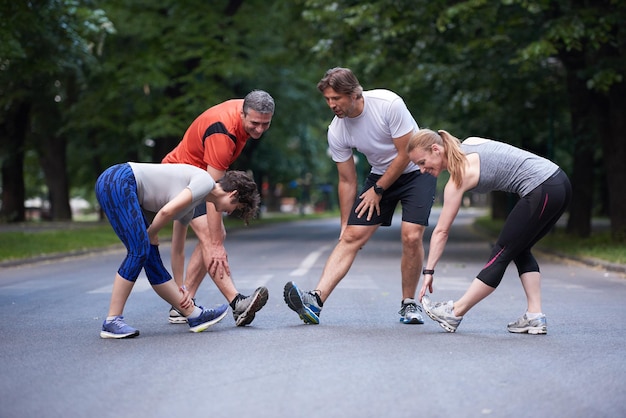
pixel 47 48
pixel 514 70
pixel 169 61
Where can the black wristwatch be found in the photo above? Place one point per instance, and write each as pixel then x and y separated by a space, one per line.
pixel 378 190
pixel 426 271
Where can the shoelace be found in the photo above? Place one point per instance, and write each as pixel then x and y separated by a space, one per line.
pixel 410 308
pixel 118 322
pixel 310 298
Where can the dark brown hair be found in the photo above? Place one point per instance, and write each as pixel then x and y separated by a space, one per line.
pixel 342 80
pixel 247 193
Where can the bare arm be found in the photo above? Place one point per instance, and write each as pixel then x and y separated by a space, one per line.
pixel 218 266
pixel 370 200
pixel 399 163
pixel 347 189
pixel 452 197
pixel 167 213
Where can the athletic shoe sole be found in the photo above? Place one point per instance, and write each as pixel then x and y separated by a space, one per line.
pixel 293 299
pixel 411 321
pixel 259 300
pixel 205 325
pixel 529 330
pixel 106 334
pixel 441 322
pixel 177 319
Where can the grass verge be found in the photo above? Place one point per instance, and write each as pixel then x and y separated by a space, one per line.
pixel 37 240
pixel 598 246
pixel 40 240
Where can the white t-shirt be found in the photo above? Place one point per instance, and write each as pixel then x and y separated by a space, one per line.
pixel 157 184
pixel 384 117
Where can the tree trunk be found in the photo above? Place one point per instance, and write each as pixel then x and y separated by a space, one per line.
pixel 614 140
pixel 53 160
pixel 501 204
pixel 582 177
pixel 12 139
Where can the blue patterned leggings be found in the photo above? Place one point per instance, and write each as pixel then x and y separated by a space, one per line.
pixel 116 191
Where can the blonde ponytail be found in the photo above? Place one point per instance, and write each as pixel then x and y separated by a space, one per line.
pixel 425 138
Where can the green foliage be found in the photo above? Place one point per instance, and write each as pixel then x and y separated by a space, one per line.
pixel 598 246
pixel 132 74
pixel 169 61
pixel 17 245
pixel 41 240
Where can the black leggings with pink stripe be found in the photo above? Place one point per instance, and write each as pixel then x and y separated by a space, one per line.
pixel 532 217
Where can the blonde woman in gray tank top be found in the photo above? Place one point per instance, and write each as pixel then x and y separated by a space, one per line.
pixel 482 165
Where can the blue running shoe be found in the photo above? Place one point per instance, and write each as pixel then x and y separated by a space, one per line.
pixel 307 305
pixel 117 328
pixel 207 318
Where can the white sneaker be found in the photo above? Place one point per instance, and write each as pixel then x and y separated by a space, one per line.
pixel 442 312
pixel 176 317
pixel 534 326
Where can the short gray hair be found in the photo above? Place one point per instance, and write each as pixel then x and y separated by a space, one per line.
pixel 259 101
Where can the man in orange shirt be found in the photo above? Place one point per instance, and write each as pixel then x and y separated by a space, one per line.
pixel 213 142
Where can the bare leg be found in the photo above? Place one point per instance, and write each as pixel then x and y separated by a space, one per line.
pixel 342 257
pixel 169 292
pixel 474 294
pixel 412 258
pixel 119 295
pixel 200 259
pixel 195 270
pixel 531 282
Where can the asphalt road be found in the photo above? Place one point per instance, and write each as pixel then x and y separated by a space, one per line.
pixel 359 362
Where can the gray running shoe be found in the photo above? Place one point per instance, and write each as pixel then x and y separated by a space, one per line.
pixel 410 313
pixel 531 326
pixel 246 307
pixel 307 305
pixel 443 313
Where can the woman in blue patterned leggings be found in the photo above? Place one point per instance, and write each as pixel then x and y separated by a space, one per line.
pixel 132 193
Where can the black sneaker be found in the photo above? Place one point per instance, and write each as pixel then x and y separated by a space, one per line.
pixel 246 307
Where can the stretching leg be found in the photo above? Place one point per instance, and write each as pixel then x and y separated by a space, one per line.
pixel 342 257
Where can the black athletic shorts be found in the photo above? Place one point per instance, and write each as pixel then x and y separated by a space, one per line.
pixel 415 191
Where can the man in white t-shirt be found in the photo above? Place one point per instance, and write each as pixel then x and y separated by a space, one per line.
pixel 378 124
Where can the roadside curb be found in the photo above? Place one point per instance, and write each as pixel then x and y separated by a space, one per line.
pixel 59 256
pixel 588 261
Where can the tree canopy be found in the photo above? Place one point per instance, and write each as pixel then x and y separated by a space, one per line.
pixel 88 83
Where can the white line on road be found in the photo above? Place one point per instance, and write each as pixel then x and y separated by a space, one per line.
pixel 308 262
pixel 252 282
pixel 141 285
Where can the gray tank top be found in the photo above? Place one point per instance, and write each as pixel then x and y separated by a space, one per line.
pixel 506 168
